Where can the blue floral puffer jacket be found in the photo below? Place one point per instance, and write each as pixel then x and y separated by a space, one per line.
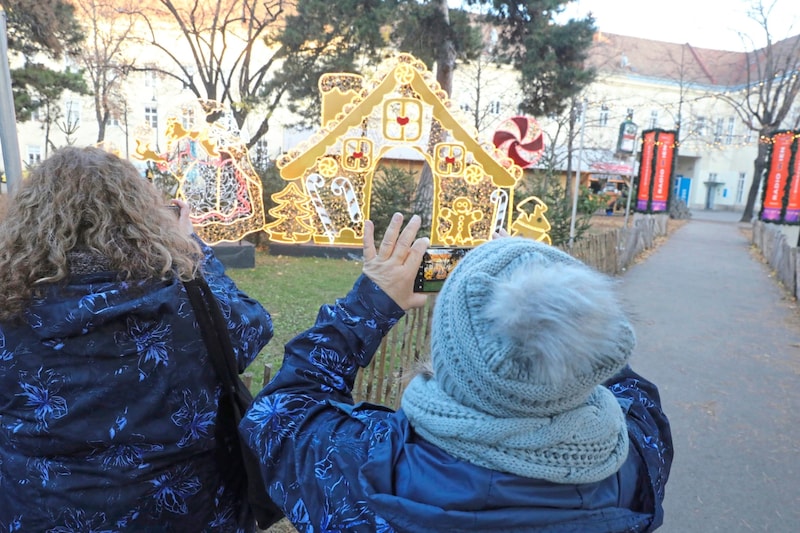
pixel 334 466
pixel 108 407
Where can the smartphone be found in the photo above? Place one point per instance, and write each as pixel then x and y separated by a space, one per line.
pixel 437 263
pixel 176 210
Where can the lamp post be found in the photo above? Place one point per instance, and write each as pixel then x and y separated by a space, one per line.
pixel 577 187
pixel 8 120
pixel 626 144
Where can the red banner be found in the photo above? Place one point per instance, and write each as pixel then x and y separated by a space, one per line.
pixel 665 152
pixel 793 205
pixel 775 187
pixel 646 170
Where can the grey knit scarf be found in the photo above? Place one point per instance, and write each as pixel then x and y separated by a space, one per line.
pixel 583 445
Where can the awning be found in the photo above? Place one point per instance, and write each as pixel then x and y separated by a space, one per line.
pixel 604 167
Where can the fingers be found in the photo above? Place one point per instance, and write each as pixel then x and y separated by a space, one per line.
pixel 417 250
pixel 369 240
pixel 407 236
pixel 500 233
pixel 390 237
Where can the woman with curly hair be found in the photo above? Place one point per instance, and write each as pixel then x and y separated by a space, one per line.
pixel 108 401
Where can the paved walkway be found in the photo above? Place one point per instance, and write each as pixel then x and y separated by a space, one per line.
pixel 720 338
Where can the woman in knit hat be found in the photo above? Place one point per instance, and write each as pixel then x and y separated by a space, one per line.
pixel 529 418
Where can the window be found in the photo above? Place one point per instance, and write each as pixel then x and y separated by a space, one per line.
pixel 259 153
pixel 70 65
pixel 740 188
pixel 187 118
pixel 72 112
pixel 718 127
pixel 700 126
pixel 113 120
pixel 150 78
pixel 603 115
pixel 494 107
pixel 34 155
pixel 151 117
pixel 653 119
pixel 465 108
pixel 748 137
pixel 731 129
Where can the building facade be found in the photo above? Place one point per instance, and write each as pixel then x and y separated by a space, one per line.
pixel 655 84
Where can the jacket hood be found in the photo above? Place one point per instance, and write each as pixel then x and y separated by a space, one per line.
pixel 69 318
pixel 419 488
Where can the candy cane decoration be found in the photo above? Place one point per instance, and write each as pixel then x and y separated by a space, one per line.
pixel 342 187
pixel 314 182
pixel 499 198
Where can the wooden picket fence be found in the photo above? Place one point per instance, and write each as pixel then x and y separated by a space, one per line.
pixel 385 378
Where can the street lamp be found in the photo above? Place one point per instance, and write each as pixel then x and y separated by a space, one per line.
pixel 8 121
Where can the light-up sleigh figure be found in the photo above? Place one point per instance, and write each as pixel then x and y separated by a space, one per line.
pixel 214 174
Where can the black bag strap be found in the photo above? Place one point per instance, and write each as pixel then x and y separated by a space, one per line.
pixel 214 329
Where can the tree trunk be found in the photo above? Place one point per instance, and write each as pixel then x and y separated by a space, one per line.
pixel 445 65
pixel 759 165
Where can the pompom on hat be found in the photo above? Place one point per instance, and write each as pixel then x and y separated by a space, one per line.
pixel 522 337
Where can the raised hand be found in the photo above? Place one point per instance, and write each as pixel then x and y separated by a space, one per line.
pixel 395 264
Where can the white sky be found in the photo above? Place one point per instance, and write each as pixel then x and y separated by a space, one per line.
pixel 712 24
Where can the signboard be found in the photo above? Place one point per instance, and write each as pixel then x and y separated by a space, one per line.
pixel 778 177
pixel 656 166
pixel 792 215
pixel 626 142
pixel 645 170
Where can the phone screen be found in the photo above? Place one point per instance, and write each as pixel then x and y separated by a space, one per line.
pixel 437 263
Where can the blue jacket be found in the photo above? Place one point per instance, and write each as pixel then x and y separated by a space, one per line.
pixel 108 408
pixel 333 466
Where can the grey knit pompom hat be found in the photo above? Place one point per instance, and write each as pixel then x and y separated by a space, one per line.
pixel 521 329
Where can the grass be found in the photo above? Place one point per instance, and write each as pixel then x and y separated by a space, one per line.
pixel 292 290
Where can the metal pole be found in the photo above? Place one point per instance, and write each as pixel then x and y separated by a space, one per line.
pixel 8 120
pixel 577 187
pixel 630 184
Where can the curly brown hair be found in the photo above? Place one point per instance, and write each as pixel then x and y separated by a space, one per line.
pixel 87 199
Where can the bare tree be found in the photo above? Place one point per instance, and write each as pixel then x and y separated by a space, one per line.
pixel 222 53
pixel 108 26
pixel 772 86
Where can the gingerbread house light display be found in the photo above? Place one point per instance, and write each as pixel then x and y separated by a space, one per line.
pixel 329 177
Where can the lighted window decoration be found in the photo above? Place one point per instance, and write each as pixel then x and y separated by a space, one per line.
pixel 357 154
pixel 214 175
pixel 363 119
pixel 450 159
pixel 403 120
